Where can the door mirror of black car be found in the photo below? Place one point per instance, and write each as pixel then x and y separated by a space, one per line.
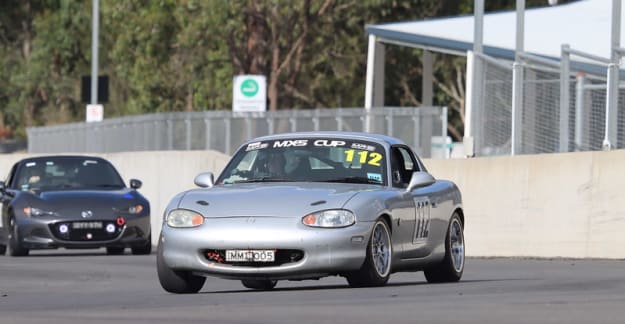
pixel 420 179
pixel 2 186
pixel 135 184
pixel 204 180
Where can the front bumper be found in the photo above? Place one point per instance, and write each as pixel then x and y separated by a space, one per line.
pixel 325 251
pixel 42 233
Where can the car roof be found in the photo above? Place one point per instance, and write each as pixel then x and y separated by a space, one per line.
pixel 382 139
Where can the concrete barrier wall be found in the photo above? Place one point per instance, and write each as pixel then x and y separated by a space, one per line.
pixel 550 205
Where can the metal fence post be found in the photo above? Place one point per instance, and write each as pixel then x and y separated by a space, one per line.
pixel 389 124
pixel 293 123
pixel 270 125
pixel 207 134
pixel 609 140
pixel 155 128
pixel 470 109
pixel 316 122
pixel 517 108
pixel 248 127
pixel 228 138
pixel 416 118
pixel 170 134
pixel 565 72
pixel 187 124
pixel 444 121
pixel 579 110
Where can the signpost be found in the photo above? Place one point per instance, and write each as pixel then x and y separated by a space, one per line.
pixel 249 93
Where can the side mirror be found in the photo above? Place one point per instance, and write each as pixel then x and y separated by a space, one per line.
pixel 2 186
pixel 420 179
pixel 204 180
pixel 135 184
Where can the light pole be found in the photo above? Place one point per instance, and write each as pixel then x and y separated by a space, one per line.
pixel 95 25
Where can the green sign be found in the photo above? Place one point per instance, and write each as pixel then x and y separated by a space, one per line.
pixel 249 88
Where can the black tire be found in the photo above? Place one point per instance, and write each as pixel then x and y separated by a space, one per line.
pixel 376 269
pixel 114 250
pixel 143 249
pixel 452 266
pixel 259 284
pixel 3 249
pixel 177 282
pixel 14 247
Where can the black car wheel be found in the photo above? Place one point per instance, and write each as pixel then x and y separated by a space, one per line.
pixel 259 284
pixel 3 249
pixel 452 266
pixel 143 249
pixel 177 282
pixel 376 269
pixel 14 247
pixel 113 250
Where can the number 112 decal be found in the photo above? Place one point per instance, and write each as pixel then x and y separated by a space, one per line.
pixel 371 158
pixel 422 219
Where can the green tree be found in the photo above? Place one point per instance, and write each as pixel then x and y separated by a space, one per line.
pixel 181 55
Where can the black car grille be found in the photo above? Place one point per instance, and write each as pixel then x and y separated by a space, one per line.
pixel 86 231
pixel 284 256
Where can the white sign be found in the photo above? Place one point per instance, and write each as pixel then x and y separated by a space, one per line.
pixel 249 93
pixel 95 113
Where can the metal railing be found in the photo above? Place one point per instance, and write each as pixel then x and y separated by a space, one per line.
pixel 535 105
pixel 224 131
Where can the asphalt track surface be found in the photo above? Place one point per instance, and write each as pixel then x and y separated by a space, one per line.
pixel 91 287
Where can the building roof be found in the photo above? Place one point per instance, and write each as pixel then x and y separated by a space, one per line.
pixel 585 25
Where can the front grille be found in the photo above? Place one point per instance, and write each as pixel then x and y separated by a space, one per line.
pixel 88 231
pixel 284 256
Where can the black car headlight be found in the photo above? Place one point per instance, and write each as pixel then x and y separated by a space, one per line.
pixel 184 218
pixel 330 218
pixel 37 212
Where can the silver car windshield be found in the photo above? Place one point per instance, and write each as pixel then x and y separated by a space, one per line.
pixel 308 160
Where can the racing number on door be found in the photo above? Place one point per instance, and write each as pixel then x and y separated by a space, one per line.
pixel 422 219
pixel 372 158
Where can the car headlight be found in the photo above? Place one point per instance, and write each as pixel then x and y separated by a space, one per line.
pixel 36 212
pixel 184 218
pixel 330 218
pixel 136 209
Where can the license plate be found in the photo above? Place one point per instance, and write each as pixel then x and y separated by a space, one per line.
pixel 87 225
pixel 250 255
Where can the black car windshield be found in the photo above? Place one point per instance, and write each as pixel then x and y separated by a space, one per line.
pixel 309 160
pixel 66 173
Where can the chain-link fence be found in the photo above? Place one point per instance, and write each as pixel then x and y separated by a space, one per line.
pixel 224 131
pixel 540 111
pixel 496 99
pixel 537 122
pixel 590 106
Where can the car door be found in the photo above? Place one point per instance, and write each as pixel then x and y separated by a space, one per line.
pixel 416 229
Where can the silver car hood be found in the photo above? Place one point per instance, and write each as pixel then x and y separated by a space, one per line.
pixel 270 199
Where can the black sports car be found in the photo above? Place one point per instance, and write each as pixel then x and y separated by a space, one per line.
pixel 71 202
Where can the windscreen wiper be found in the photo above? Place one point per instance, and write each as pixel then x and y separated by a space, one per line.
pixel 352 179
pixel 264 179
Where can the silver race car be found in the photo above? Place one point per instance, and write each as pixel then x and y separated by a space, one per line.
pixel 308 205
